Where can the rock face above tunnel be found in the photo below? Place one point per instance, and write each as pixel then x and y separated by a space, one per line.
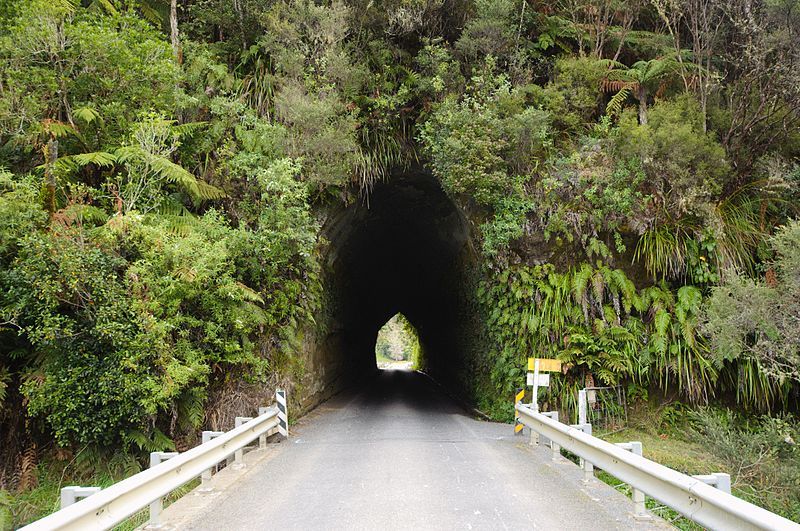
pixel 404 248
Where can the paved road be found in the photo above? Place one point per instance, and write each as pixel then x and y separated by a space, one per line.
pixel 401 455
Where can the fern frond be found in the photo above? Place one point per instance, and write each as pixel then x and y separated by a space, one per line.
pixel 84 213
pixel 209 192
pixel 86 114
pixel 172 172
pixel 188 129
pixel 156 442
pixel 98 158
pixel 104 5
pixel 614 107
pixel 191 408
pixel 73 163
pixel 150 13
pixel 58 129
pixel 580 282
pixel 611 64
pixel 249 294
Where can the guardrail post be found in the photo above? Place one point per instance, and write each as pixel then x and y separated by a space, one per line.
pixel 207 436
pixel 156 458
pixel 283 412
pixel 639 508
pixel 238 455
pixel 723 481
pixel 556 449
pixel 262 439
pixel 588 468
pixel 718 480
pixel 74 493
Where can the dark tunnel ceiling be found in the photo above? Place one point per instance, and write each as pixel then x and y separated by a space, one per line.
pixel 408 250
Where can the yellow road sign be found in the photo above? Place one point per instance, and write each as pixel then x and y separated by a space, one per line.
pixel 545 365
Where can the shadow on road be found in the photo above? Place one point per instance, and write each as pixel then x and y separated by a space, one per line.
pixel 393 388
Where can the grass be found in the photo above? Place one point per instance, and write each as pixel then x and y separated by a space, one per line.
pixel 671 451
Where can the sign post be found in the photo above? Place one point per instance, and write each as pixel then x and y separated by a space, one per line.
pixel 540 376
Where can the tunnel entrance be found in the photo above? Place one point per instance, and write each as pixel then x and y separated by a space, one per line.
pixel 406 250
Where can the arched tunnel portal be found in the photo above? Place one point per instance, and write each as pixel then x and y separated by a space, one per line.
pixel 405 248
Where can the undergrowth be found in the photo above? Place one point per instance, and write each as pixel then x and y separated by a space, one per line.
pixel 761 454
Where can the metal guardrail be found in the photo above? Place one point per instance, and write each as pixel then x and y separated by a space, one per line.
pixel 689 496
pixel 114 504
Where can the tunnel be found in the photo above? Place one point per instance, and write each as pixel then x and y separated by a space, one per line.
pixel 403 248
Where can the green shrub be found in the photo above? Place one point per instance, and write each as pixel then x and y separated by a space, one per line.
pixel 761 455
pixel 754 326
pixel 128 321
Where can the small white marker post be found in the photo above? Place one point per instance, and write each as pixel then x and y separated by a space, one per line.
pixel 283 415
pixel 536 385
pixel 156 458
pixel 584 426
pixel 582 409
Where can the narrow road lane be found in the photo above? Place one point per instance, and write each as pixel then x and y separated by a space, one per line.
pixel 401 455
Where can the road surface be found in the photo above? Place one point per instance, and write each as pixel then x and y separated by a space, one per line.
pixel 402 455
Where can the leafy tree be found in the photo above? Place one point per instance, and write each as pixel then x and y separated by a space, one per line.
pixel 686 167
pixel 57 59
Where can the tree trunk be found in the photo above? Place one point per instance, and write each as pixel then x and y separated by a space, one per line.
pixel 173 28
pixel 641 95
pixel 50 157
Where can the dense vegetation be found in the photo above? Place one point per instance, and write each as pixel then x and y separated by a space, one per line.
pixel 632 168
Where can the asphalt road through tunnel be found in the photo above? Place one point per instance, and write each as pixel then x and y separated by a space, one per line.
pixel 399 454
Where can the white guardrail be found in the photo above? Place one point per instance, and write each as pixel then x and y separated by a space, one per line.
pixel 702 503
pixel 111 506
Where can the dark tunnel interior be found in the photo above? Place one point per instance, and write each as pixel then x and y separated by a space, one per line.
pixel 405 248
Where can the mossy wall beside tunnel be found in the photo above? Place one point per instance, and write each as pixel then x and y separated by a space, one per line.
pixel 404 248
